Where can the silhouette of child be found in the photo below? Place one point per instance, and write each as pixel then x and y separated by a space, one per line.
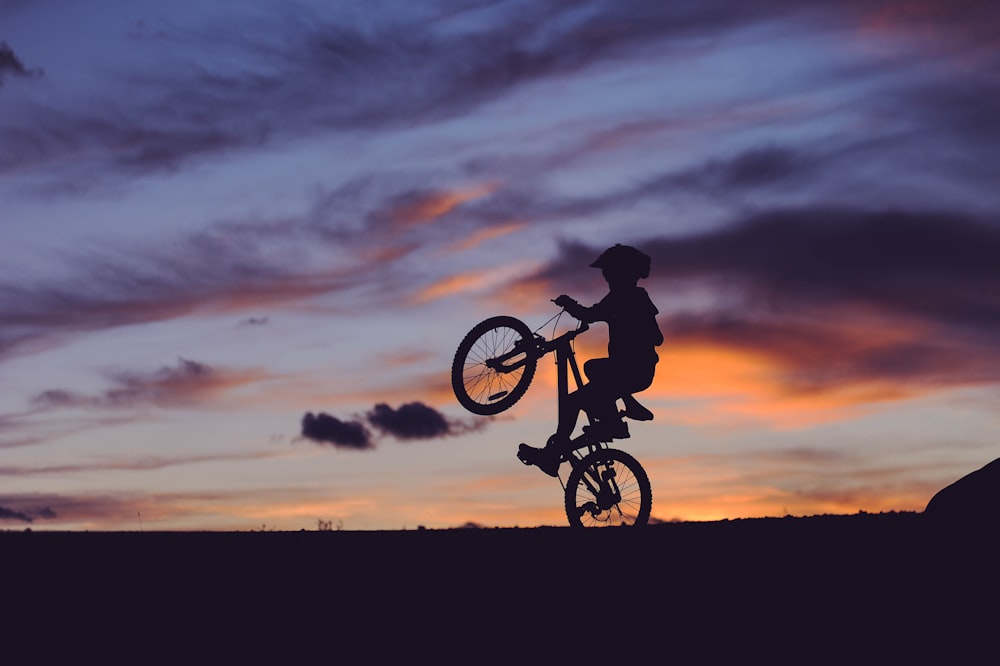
pixel 633 336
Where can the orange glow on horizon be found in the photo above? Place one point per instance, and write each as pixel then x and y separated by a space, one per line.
pixel 726 383
pixel 743 384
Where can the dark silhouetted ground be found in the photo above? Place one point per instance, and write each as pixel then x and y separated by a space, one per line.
pixel 866 588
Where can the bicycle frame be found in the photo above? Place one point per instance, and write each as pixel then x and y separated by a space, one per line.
pixel 565 359
pixel 565 365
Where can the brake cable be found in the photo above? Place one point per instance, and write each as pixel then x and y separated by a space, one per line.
pixel 556 316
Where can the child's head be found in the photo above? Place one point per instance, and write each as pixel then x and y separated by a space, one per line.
pixel 623 264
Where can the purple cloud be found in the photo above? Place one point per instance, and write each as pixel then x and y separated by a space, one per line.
pixel 186 383
pixel 411 421
pixel 135 464
pixel 325 429
pixel 26 516
pixel 836 295
pixel 304 74
pixel 229 268
pixel 11 65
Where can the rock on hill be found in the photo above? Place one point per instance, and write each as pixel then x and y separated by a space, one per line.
pixel 972 500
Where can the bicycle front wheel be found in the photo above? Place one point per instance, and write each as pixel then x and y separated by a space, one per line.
pixel 494 365
pixel 608 488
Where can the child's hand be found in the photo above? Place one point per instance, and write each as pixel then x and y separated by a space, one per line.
pixel 564 301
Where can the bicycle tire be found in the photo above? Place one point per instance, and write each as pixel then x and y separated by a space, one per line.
pixel 483 390
pixel 632 508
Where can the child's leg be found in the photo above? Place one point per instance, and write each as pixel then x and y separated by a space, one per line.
pixel 569 412
pixel 581 399
pixel 603 378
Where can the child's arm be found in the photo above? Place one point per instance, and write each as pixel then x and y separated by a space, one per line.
pixel 575 310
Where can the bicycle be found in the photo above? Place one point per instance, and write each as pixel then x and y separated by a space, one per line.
pixel 492 369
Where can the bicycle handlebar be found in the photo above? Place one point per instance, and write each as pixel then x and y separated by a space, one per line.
pixel 569 335
pixel 583 325
pixel 536 347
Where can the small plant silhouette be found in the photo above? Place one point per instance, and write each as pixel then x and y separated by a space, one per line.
pixel 328 525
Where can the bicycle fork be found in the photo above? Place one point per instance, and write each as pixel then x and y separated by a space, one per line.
pixel 602 484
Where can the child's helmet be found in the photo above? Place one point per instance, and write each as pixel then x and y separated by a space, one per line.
pixel 625 258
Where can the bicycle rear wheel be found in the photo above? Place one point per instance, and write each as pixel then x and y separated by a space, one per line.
pixel 493 365
pixel 608 488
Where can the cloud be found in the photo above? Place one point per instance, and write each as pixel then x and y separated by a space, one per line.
pixel 137 464
pixel 421 206
pixel 485 235
pixel 185 384
pixel 12 65
pixel 8 514
pixel 188 384
pixel 414 420
pixel 325 429
pixel 122 510
pixel 305 72
pixel 942 27
pixel 26 516
pixel 938 267
pixel 411 421
pixel 955 114
pixel 227 268
pixel 23 429
pixel 347 241
pixel 833 297
pixel 13 443
pixel 751 168
pixel 456 284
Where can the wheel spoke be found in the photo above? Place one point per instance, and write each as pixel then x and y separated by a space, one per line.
pixel 480 388
pixel 483 382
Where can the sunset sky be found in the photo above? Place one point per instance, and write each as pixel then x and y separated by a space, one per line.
pixel 241 241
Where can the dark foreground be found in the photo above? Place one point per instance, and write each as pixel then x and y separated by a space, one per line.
pixel 872 588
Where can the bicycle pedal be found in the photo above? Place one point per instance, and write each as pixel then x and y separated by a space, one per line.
pixel 526 454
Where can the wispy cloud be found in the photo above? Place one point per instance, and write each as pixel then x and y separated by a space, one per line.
pixel 118 510
pixel 11 65
pixel 130 397
pixel 422 206
pixel 26 516
pixel 133 464
pixel 228 268
pixel 185 384
pixel 304 72
pixel 348 241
